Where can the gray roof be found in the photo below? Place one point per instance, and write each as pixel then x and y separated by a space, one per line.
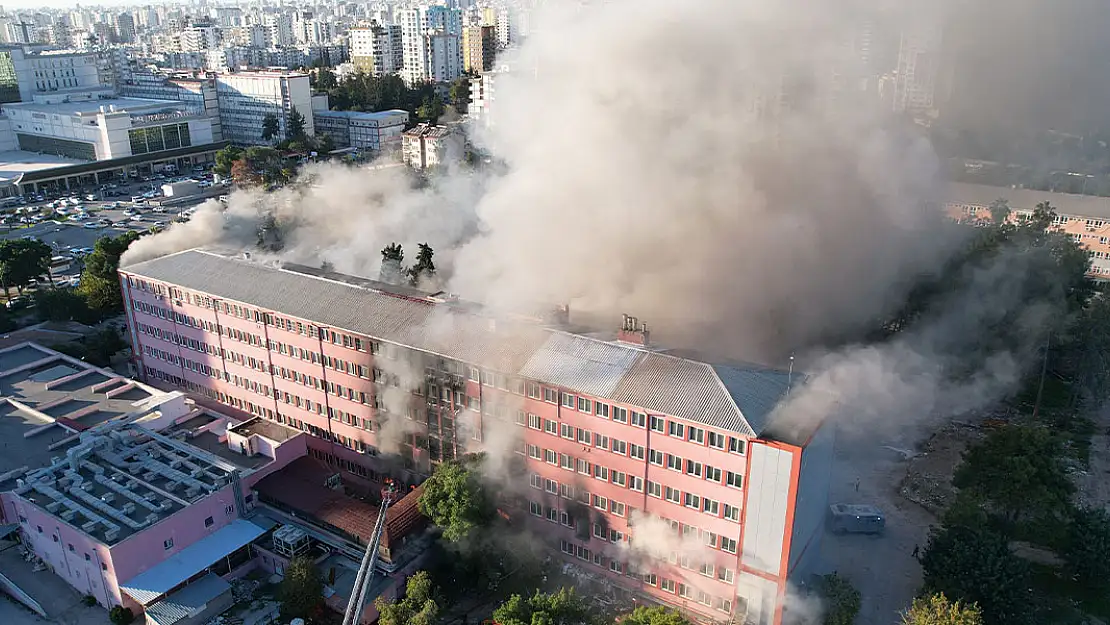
pixel 1026 199
pixel 187 601
pixel 732 398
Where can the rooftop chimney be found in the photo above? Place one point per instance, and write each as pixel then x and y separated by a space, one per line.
pixel 633 332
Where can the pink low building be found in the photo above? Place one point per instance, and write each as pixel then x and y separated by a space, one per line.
pixel 126 492
pixel 603 438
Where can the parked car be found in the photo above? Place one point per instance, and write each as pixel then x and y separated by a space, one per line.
pixel 855 519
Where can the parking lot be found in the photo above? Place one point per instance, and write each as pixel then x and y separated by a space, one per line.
pixel 75 224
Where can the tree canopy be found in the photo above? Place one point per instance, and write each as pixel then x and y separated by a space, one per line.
pixel 656 615
pixel 100 279
pixel 418 607
pixel 21 261
pixel 455 499
pixel 425 268
pixel 1087 553
pixel 225 158
pixel 1017 472
pixel 301 591
pixel 842 600
pixel 975 565
pixel 559 608
pixel 270 128
pixel 295 128
pixel 365 92
pixel 63 305
pixel 938 610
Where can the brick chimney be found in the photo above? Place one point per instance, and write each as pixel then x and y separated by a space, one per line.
pixel 633 332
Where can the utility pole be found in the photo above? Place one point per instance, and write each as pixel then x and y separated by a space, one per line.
pixel 1044 370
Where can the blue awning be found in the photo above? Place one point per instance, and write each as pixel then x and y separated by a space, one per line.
pixel 160 579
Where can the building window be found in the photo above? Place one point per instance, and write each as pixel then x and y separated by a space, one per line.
pixel 710 506
pixel 521 418
pixel 550 427
pixel 601 473
pixel 617 508
pixel 713 474
pixel 619 447
pixel 716 440
pixel 550 457
pixel 693 468
pixel 209 522
pixel 551 486
pixel 585 437
pixel 534 452
pixel 601 503
pixel 620 415
pixel 655 489
pixel 535 480
pixel 601 410
pixel 674 463
pixel 566 462
pixel 658 424
pixel 583 466
pixel 672 495
pixel 667 585
pixel 728 544
pixel 566 430
pixel 535 508
pixel 167 544
pixel 732 513
pixel 636 484
pixel 724 574
pixel 601 441
pixel 636 451
pixel 676 429
pixel 534 421
pixel 584 405
pixel 655 457
pixel 734 480
pixel 735 445
pixel 568 400
pixel 550 395
pixel 639 419
pixel 692 501
pixel 696 435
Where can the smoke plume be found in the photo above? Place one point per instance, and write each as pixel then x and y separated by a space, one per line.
pixel 716 170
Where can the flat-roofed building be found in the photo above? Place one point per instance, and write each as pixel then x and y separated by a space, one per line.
pixel 380 131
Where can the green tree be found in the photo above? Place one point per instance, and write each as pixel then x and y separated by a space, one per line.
pixel 657 615
pixel 270 235
pixel 975 565
pixel 393 258
pixel 301 591
pixel 938 610
pixel 120 615
pixel 270 127
pixel 100 279
pixel 425 267
pixel 559 608
pixel 1087 553
pixel 430 109
pixel 460 94
pixel 418 607
pixel 21 261
pixel 842 600
pixel 1000 211
pixel 455 499
pixel 225 158
pixel 62 305
pixel 1017 472
pixel 325 79
pixel 296 124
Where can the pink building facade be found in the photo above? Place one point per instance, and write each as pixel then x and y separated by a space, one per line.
pixel 605 436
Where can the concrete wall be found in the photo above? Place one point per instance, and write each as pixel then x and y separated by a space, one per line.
pixel 759 596
pixel 812 502
pixel 768 503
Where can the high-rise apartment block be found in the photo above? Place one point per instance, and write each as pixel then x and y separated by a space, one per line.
pixel 246 98
pixel 607 438
pixel 377 50
pixel 431 36
pixel 479 45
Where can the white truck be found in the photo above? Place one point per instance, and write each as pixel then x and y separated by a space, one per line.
pixel 181 189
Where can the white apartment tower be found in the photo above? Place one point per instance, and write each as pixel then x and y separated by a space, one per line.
pixel 279 30
pixel 915 80
pixel 431 39
pixel 377 49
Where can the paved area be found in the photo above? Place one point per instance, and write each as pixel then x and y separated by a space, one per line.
pixel 881 567
pixel 62 603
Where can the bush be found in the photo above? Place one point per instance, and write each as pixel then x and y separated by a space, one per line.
pixel 89 600
pixel 842 600
pixel 120 615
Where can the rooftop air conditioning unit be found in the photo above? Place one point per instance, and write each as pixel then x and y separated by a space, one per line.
pixel 128 507
pixel 67 514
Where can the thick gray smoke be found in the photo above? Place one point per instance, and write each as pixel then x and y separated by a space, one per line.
pixel 713 169
pixel 710 170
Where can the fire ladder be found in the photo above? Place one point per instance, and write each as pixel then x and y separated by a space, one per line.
pixel 369 561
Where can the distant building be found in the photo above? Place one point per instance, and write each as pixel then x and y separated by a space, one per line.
pixel 426 146
pixel 1086 218
pixel 431 36
pixel 479 45
pixel 379 131
pixel 377 50
pixel 246 98
pixel 481 97
pixel 279 29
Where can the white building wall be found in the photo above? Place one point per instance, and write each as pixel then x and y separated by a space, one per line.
pixel 768 495
pixel 759 596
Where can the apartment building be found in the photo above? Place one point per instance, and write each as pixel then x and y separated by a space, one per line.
pixel 1085 217
pixel 605 435
pixel 377 50
pixel 426 147
pixel 246 98
pixel 431 39
pixel 479 45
